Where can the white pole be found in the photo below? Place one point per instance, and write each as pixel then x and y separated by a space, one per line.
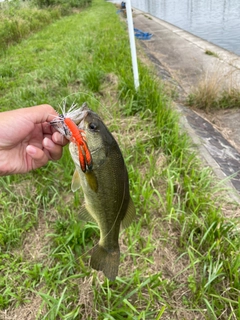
pixel 132 43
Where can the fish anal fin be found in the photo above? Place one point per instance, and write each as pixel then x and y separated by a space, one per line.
pixel 85 215
pixel 130 215
pixel 92 180
pixel 105 261
pixel 75 181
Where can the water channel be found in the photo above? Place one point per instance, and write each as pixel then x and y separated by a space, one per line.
pixel 217 21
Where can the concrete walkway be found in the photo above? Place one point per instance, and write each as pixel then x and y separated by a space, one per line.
pixel 181 56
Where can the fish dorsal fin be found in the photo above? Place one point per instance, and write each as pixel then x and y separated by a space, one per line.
pixel 85 215
pixel 75 181
pixel 130 214
pixel 92 180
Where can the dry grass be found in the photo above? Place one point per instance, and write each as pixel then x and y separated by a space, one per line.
pixel 217 90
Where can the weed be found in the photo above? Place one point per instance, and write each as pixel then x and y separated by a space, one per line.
pixel 92 78
pixel 211 53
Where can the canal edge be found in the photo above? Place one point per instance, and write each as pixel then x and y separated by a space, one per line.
pixel 223 169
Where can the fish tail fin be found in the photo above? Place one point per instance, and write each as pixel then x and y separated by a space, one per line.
pixel 105 261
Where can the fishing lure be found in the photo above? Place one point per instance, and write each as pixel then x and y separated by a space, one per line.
pixel 67 126
pixel 78 137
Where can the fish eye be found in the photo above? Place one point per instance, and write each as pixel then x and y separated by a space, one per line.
pixel 92 126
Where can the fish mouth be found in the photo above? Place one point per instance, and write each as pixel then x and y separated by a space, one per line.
pixel 78 115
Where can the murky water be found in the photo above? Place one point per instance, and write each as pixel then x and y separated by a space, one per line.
pixel 217 21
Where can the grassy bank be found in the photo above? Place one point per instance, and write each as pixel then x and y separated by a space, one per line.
pixel 180 258
pixel 19 19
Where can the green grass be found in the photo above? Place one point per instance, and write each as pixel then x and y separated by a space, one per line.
pixel 19 19
pixel 179 259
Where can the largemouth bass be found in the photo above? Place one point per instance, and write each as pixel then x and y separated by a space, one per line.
pixel 106 189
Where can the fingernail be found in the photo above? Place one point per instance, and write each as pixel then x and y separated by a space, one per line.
pixel 57 137
pixel 47 143
pixel 31 150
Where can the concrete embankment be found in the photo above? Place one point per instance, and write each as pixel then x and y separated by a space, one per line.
pixel 182 56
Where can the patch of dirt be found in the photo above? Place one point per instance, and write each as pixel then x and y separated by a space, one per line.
pixel 35 241
pixel 27 311
pixel 86 299
pixel 172 272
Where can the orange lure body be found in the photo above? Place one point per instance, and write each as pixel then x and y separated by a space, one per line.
pixel 85 157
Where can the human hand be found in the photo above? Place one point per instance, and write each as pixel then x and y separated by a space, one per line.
pixel 27 140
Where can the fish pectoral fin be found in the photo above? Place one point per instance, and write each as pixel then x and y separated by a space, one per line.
pixel 105 261
pixel 85 215
pixel 92 180
pixel 75 181
pixel 130 214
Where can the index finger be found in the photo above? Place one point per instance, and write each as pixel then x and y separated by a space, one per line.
pixel 39 114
